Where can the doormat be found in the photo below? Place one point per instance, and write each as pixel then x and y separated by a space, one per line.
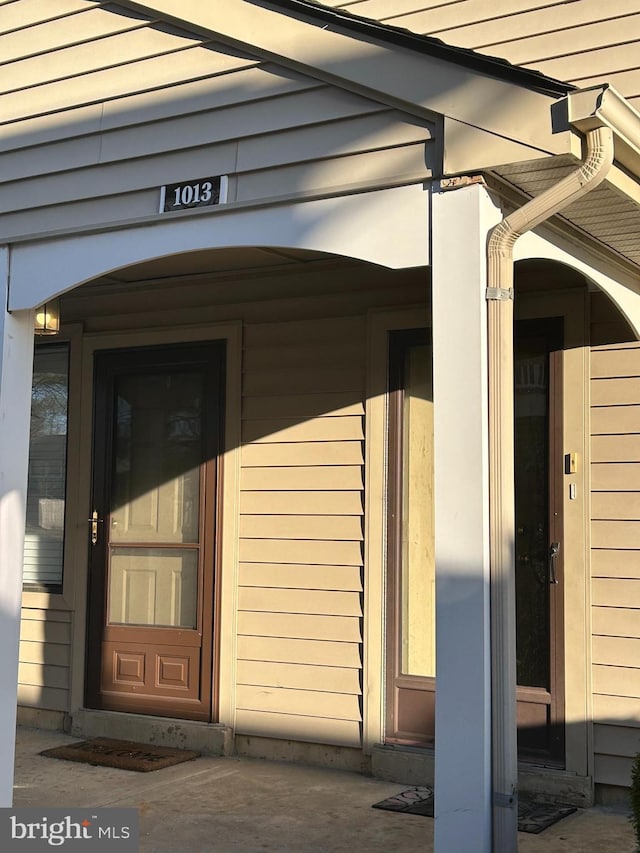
pixel 123 754
pixel 534 816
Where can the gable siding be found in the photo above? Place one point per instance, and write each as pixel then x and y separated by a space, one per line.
pixel 615 558
pixel 99 109
pixel 584 42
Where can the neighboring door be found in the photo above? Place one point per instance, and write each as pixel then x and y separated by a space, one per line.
pixel 153 523
pixel 411 565
pixel 539 546
pixel 410 684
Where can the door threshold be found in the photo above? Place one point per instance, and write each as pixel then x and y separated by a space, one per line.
pixel 413 765
pixel 207 738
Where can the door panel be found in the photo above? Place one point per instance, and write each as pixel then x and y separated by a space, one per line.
pixel 156 446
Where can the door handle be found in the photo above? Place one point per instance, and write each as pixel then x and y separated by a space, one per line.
pixel 554 550
pixel 94 521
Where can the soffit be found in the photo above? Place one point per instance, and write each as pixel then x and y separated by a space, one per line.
pixel 609 214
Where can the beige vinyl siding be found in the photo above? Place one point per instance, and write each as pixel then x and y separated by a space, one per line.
pixel 98 110
pixel 44 659
pixel 584 43
pixel 615 560
pixel 302 527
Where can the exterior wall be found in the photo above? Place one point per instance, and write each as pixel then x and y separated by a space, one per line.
pixel 112 107
pixel 45 657
pixel 299 670
pixel 615 554
pixel 301 528
pixel 581 42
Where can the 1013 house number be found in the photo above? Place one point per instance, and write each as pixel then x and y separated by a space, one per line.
pixel 199 193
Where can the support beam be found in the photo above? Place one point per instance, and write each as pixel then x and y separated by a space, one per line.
pixel 461 220
pixel 16 370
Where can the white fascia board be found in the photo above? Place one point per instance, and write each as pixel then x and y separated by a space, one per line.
pixel 386 72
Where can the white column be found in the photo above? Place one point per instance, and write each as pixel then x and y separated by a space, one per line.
pixel 461 220
pixel 16 366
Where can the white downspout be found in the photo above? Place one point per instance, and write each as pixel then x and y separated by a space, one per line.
pixel 597 162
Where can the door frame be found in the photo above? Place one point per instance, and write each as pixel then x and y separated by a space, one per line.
pixel 207 357
pixel 529 697
pixel 380 323
pixel 420 688
pixel 231 333
pixel 572 304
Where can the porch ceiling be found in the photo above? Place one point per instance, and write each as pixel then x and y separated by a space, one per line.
pixel 610 214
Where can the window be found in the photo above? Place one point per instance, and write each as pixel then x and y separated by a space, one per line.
pixel 44 535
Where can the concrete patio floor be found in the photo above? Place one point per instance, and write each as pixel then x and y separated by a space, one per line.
pixel 244 804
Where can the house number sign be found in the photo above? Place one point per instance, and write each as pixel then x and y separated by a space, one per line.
pixel 199 193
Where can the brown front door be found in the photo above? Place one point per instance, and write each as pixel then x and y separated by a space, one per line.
pixel 411 684
pixel 153 538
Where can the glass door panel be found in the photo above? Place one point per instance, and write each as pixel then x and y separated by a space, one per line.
pixel 418 565
pixel 153 586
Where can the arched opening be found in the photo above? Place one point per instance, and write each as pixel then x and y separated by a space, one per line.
pixel 289 541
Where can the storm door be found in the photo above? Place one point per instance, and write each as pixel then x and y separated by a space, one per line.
pixel 410 535
pixel 539 545
pixel 152 530
pixel 411 683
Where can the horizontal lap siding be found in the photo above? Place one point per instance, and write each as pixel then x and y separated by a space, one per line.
pixel 615 563
pixel 584 42
pixel 301 547
pixel 98 110
pixel 44 659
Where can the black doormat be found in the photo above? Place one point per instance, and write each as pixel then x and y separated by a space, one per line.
pixel 123 754
pixel 534 816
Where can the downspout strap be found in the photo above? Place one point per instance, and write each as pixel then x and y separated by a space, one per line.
pixel 499 293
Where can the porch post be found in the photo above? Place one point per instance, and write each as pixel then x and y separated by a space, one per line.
pixel 16 357
pixel 461 220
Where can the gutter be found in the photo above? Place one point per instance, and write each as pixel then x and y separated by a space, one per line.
pixel 609 124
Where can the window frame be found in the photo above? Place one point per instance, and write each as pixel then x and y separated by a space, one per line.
pixel 61 597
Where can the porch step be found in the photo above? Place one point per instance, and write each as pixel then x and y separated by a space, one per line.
pixel 207 738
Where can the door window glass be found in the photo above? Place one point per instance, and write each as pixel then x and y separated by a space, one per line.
pixel 418 564
pixel 153 586
pixel 155 502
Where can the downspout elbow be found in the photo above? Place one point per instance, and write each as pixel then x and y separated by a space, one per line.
pixel 592 171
